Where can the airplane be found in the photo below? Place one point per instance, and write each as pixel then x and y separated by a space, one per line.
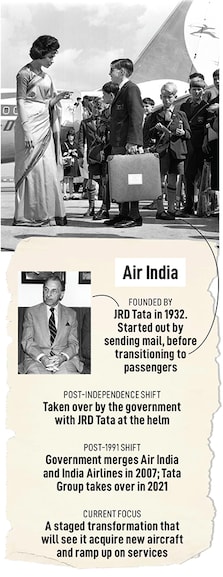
pixel 171 55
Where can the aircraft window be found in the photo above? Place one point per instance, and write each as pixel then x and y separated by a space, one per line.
pixel 14 109
pixel 9 125
pixel 6 109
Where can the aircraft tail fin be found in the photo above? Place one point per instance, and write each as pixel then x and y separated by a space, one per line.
pixel 166 55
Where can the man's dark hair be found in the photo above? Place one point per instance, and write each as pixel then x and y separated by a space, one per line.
pixel 54 277
pixel 216 73
pixel 71 131
pixel 125 63
pixel 148 101
pixel 110 88
pixel 87 103
pixel 42 46
pixel 196 75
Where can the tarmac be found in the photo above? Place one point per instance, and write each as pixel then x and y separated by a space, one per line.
pixel 193 228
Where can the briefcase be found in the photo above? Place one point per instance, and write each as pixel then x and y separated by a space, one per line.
pixel 134 177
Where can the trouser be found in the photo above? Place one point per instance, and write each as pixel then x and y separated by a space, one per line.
pixel 105 193
pixel 36 368
pixel 170 190
pixel 127 210
pixel 194 164
pixel 170 168
pixel 214 158
pixel 68 180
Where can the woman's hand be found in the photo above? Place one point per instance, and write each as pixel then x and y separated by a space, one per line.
pixel 74 153
pixel 64 95
pixel 28 141
pixel 61 96
pixel 28 137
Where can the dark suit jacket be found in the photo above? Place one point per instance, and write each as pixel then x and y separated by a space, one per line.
pixel 87 133
pixel 197 117
pixel 36 335
pixel 177 144
pixel 127 116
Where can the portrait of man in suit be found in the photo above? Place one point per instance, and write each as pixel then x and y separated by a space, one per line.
pixel 50 334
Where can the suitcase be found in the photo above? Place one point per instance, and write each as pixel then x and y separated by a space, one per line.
pixel 134 177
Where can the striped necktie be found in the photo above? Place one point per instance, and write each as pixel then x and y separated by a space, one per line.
pixel 52 326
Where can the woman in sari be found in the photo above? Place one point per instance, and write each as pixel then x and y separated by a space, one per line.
pixel 38 159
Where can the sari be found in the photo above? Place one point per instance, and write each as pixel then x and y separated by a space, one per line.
pixel 38 171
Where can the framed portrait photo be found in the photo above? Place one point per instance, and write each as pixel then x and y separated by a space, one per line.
pixel 84 277
pixel 38 277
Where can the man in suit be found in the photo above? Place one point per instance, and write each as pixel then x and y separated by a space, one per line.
pixel 49 338
pixel 126 134
pixel 195 108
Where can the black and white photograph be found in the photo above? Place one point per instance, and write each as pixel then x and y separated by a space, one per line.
pixel 33 277
pixel 84 277
pixel 110 120
pixel 54 324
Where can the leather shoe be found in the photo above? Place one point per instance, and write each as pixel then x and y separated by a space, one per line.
pixel 185 212
pixel 129 223
pixel 90 212
pixel 113 221
pixel 165 215
pixel 151 206
pixel 101 215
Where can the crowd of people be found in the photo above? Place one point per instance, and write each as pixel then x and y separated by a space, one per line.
pixel 183 136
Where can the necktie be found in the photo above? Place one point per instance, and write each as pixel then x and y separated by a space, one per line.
pixel 52 326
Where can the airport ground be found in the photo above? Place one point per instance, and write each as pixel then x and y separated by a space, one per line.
pixel 192 228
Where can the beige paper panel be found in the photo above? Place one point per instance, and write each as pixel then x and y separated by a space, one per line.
pixel 149 505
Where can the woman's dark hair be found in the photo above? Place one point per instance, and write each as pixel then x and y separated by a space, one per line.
pixel 42 46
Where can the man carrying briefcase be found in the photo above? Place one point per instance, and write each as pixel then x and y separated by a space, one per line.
pixel 126 131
